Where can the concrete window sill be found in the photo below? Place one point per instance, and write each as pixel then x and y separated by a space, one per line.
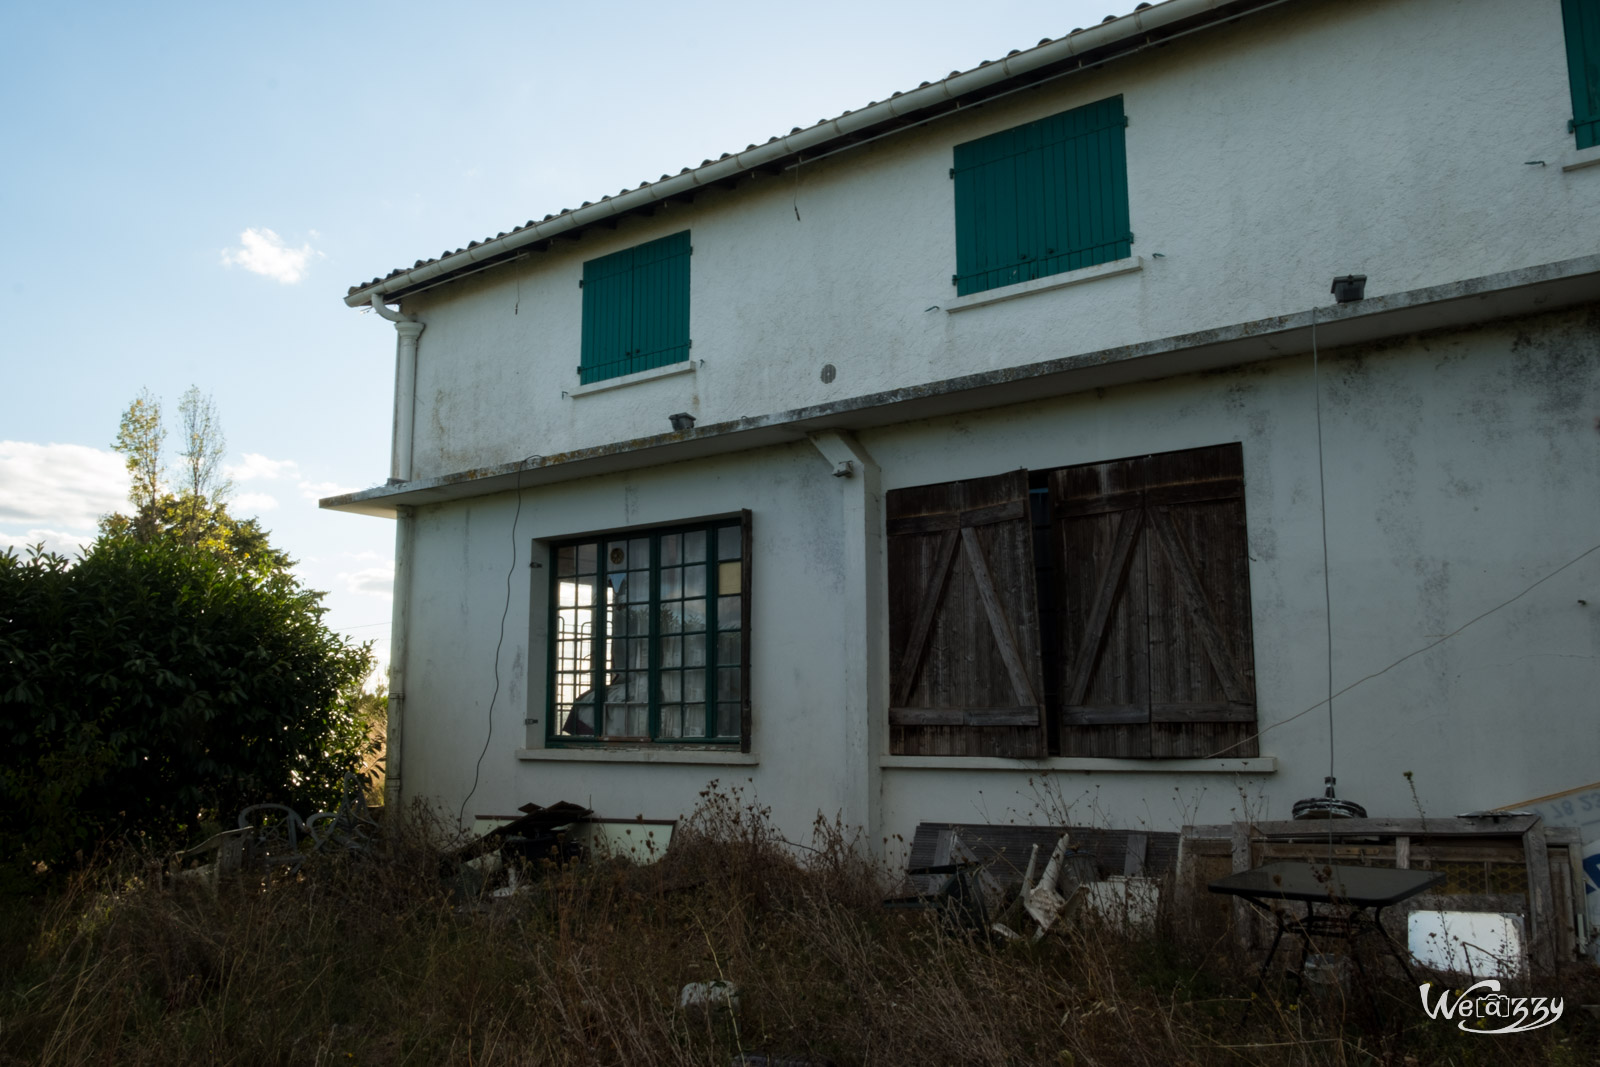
pixel 688 366
pixel 1045 285
pixel 720 757
pixel 1581 159
pixel 1083 764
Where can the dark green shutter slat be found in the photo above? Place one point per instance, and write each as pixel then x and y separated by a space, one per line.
pixel 1042 198
pixel 636 309
pixel 1581 19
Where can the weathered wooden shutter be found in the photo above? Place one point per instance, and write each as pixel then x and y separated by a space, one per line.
pixel 1581 18
pixel 661 302
pixel 1042 198
pixel 1153 590
pixel 965 673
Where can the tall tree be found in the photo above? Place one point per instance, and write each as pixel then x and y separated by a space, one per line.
pixel 140 438
pixel 204 445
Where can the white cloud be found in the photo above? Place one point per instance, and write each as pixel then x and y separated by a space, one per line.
pixel 256 502
pixel 59 487
pixel 263 252
pixel 318 490
pixel 373 581
pixel 258 467
pixel 57 541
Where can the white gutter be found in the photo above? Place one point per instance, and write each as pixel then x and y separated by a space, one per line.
pixel 405 388
pixel 902 104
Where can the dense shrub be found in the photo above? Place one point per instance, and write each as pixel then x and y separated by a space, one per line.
pixel 153 686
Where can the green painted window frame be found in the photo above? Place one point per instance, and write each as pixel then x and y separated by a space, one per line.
pixel 636 658
pixel 636 309
pixel 1580 20
pixel 1042 198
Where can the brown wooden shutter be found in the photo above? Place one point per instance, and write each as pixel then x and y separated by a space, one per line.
pixel 965 670
pixel 1153 589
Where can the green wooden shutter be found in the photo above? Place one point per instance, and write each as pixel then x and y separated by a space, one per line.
pixel 636 309
pixel 1042 198
pixel 1582 21
pixel 661 302
pixel 607 316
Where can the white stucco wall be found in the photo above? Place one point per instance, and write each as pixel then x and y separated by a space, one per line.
pixel 1461 468
pixel 1264 158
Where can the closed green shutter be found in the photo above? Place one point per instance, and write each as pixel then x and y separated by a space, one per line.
pixel 1582 21
pixel 636 309
pixel 1043 198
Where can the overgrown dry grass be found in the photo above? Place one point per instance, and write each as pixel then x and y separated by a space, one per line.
pixel 379 962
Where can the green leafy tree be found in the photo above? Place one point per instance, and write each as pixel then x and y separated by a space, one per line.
pixel 140 438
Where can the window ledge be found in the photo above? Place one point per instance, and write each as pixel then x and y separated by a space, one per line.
pixel 1580 158
pixel 1043 285
pixel 1084 764
pixel 659 754
pixel 686 367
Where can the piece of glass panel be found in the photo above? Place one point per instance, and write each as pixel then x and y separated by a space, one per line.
pixel 671 549
pixel 730 613
pixel 639 620
pixel 694 546
pixel 617 583
pixel 672 651
pixel 694 614
pixel 671 720
pixel 728 575
pixel 694 580
pixel 566 561
pixel 728 720
pixel 671 583
pixel 639 653
pixel 639 687
pixel 639 553
pixel 694 721
pixel 617 556
pixel 575 592
pixel 730 542
pixel 728 683
pixel 672 617
pixel 671 687
pixel 617 623
pixel 616 720
pixel 729 648
pixel 638 720
pixel 694 650
pixel 586 557
pixel 579 721
pixel 694 686
pixel 639 586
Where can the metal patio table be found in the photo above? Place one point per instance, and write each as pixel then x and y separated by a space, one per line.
pixel 1351 901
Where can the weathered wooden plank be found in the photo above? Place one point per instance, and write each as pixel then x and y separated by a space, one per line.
pixel 1215 711
pixel 1094 628
pixel 1197 606
pixel 1021 684
pixel 1105 714
pixel 1512 826
pixel 931 593
pixel 1402 852
pixel 1008 716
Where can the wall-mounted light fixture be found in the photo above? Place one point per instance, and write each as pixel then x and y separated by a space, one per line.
pixel 1349 288
pixel 681 421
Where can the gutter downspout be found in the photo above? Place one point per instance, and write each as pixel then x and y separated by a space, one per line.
pixel 408 330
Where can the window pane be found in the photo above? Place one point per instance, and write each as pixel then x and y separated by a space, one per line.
pixel 694 614
pixel 694 546
pixel 728 683
pixel 729 542
pixel 616 556
pixel 579 720
pixel 639 552
pixel 671 549
pixel 639 620
pixel 639 587
pixel 616 720
pixel 728 577
pixel 671 583
pixel 671 687
pixel 566 561
pixel 586 556
pixel 694 650
pixel 639 653
pixel 672 651
pixel 638 720
pixel 694 686
pixel 728 720
pixel 671 720
pixel 728 648
pixel 730 613
pixel 672 618
pixel 694 580
pixel 694 721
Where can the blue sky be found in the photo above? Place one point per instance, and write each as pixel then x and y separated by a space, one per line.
pixel 189 189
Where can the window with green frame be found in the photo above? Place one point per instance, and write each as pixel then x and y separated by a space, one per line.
pixel 1581 18
pixel 636 309
pixel 1043 198
pixel 649 635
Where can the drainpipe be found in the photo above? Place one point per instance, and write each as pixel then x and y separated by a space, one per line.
pixel 408 330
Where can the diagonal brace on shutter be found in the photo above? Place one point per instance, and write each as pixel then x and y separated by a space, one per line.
pixel 1105 597
pixel 1195 600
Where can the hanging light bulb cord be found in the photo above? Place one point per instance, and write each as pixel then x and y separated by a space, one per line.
pixel 1322 494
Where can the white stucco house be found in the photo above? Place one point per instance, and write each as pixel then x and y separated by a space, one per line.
pixel 1034 470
